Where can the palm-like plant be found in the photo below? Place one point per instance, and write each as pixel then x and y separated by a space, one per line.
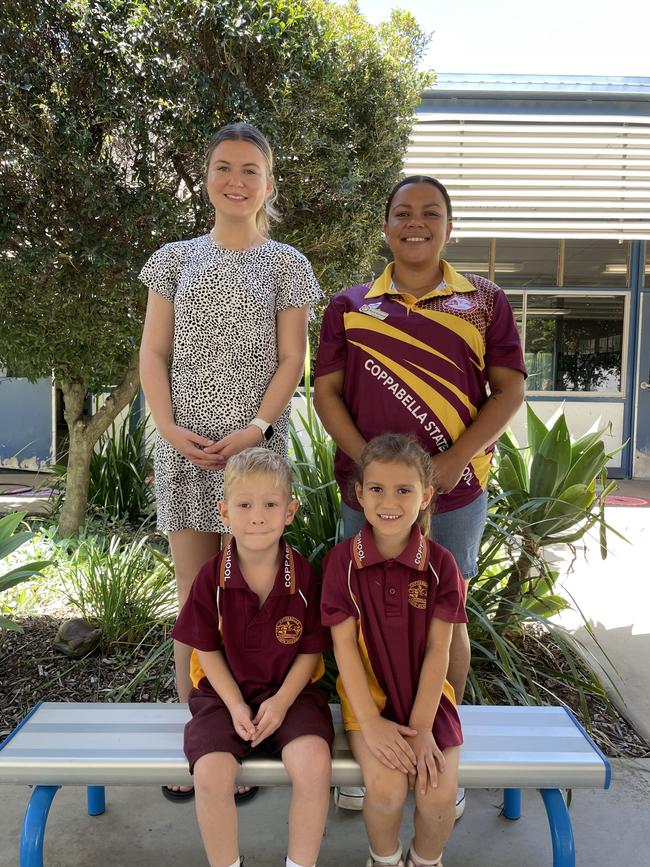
pixel 10 541
pixel 546 495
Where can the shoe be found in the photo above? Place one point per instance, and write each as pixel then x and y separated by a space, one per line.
pixel 177 797
pixel 349 797
pixel 371 863
pixel 242 797
pixel 460 803
pixel 409 862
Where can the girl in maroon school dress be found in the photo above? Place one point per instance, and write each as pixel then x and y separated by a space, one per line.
pixel 391 597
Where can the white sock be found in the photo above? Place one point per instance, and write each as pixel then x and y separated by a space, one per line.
pixel 422 862
pixel 388 860
pixel 290 863
pixel 236 863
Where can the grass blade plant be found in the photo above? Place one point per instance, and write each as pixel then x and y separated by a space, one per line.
pixel 315 529
pixel 125 588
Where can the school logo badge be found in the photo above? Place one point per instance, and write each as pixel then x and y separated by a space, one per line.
pixel 459 304
pixel 418 594
pixel 288 630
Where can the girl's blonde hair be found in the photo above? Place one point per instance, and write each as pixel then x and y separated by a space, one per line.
pixel 249 133
pixel 392 448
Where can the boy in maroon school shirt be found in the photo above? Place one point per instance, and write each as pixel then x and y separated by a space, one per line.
pixel 253 621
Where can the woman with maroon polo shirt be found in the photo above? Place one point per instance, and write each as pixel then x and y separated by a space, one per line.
pixel 391 598
pixel 414 352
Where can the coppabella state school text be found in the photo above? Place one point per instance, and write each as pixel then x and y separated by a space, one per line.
pixel 422 415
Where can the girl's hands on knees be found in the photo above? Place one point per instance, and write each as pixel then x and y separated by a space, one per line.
pixel 429 761
pixel 242 720
pixel 191 445
pixel 269 717
pixel 386 741
pixel 235 442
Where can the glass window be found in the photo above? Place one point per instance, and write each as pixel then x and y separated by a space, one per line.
pixel 596 262
pixel 646 282
pixel 526 262
pixel 574 342
pixel 469 255
pixel 516 300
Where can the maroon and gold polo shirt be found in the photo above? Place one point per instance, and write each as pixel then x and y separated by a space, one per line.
pixel 393 602
pixel 418 366
pixel 260 644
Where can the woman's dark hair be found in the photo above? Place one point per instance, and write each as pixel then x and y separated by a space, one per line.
pixel 420 179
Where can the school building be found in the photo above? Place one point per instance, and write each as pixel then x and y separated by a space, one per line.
pixel 549 179
pixel 550 182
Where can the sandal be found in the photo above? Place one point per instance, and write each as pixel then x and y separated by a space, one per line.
pixel 177 797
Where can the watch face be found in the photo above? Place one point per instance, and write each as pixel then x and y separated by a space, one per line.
pixel 268 433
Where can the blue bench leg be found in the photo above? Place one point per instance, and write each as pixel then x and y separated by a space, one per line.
pixel 96 799
pixel 564 851
pixel 512 803
pixel 33 833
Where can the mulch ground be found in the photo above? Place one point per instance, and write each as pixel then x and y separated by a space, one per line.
pixel 31 671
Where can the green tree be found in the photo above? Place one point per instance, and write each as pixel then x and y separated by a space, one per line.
pixel 104 111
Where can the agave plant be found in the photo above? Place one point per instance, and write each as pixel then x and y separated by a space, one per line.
pixel 10 541
pixel 548 496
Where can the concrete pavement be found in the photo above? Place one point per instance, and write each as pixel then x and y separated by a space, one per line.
pixel 140 829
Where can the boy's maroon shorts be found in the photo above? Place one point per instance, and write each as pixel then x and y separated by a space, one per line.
pixel 211 730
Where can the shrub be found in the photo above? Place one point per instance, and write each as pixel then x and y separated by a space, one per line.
pixel 10 541
pixel 125 588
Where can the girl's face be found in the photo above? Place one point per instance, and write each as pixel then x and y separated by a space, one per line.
pixel 417 227
pixel 237 181
pixel 392 496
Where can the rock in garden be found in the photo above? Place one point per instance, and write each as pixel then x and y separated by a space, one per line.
pixel 77 637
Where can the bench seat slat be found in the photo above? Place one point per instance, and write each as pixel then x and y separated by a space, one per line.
pixel 126 744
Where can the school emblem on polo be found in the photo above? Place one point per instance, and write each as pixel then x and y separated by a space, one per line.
pixel 288 630
pixel 418 594
pixel 459 304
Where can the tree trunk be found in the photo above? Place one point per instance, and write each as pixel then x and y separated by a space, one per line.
pixel 84 431
pixel 512 592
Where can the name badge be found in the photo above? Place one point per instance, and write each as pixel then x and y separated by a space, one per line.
pixel 373 310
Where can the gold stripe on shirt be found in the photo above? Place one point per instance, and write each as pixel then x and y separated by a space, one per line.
pixel 452 282
pixel 470 334
pixel 350 723
pixel 368 323
pixel 434 401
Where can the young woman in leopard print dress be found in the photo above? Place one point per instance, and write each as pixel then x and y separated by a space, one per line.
pixel 230 308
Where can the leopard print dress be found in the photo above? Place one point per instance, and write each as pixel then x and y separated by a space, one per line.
pixel 224 356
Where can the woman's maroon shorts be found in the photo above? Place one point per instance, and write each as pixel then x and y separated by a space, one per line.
pixel 211 730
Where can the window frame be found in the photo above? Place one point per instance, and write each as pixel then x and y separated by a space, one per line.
pixel 585 293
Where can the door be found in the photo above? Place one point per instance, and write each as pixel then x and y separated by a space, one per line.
pixel 641 466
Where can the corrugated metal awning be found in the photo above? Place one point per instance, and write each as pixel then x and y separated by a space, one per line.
pixel 535 174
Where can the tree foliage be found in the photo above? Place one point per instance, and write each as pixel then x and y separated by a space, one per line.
pixel 105 109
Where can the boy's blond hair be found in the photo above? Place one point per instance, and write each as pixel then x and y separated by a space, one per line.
pixel 257 461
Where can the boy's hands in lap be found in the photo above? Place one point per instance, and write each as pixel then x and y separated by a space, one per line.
pixel 387 742
pixel 429 761
pixel 269 718
pixel 242 720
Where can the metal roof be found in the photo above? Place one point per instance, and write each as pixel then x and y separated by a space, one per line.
pixel 530 156
pixel 565 86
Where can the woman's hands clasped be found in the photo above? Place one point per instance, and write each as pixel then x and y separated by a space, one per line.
pixel 206 453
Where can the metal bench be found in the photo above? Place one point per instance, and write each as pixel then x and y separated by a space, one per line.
pixel 96 745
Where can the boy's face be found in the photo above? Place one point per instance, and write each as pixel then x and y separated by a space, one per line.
pixel 257 511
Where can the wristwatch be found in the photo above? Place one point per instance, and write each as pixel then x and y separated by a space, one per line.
pixel 264 426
